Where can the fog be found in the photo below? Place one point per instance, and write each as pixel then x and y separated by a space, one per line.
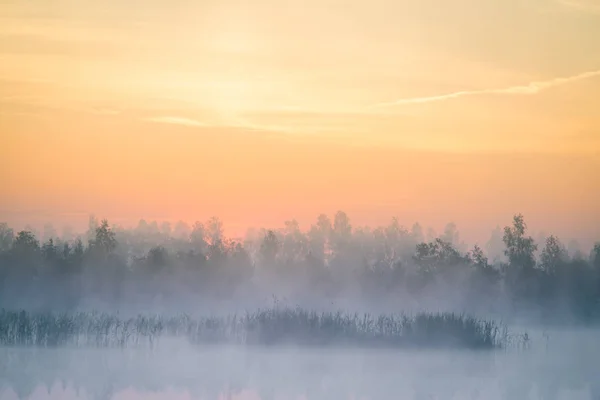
pixel 564 367
pixel 333 312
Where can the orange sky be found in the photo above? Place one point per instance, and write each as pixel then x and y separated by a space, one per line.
pixel 432 111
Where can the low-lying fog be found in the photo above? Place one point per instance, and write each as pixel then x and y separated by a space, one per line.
pixel 559 364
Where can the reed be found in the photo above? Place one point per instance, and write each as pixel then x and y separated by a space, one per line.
pixel 264 327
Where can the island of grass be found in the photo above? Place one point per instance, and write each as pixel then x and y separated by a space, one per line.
pixel 268 327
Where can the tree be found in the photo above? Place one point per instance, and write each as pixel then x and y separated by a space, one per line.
pixel 451 234
pixel 142 227
pixel 26 255
pixel 214 230
pixel 217 252
pixel 595 257
pixel 395 239
pixel 269 248
pixel 294 244
pixel 342 231
pixel 157 259
pixel 6 237
pixel 198 237
pixel 483 279
pixel 324 224
pixel 341 224
pixel 438 256
pixel 416 232
pixel 26 244
pixel 553 255
pixel 318 236
pixel 240 264
pixel 50 252
pixel 78 250
pixel 520 249
pixel 595 260
pixel 66 251
pixel 105 241
pixel 480 261
pixel 521 277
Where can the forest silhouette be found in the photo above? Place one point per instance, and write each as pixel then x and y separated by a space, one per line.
pixel 390 268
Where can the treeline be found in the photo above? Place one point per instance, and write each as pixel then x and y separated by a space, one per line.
pixel 389 268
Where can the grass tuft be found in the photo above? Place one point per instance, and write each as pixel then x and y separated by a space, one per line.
pixel 266 327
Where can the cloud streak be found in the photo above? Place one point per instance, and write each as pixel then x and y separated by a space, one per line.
pixel 245 124
pixel 528 89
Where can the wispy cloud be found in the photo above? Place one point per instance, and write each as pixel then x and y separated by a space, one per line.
pixel 236 123
pixel 528 89
pixel 243 123
pixel 177 121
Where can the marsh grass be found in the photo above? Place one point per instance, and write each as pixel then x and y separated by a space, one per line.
pixel 267 327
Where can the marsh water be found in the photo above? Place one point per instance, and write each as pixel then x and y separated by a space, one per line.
pixel 557 364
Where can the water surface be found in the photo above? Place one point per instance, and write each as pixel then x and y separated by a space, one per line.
pixel 560 364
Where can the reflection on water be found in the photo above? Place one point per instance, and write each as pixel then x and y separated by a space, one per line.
pixel 567 367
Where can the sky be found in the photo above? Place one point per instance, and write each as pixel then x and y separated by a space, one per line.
pixel 467 111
